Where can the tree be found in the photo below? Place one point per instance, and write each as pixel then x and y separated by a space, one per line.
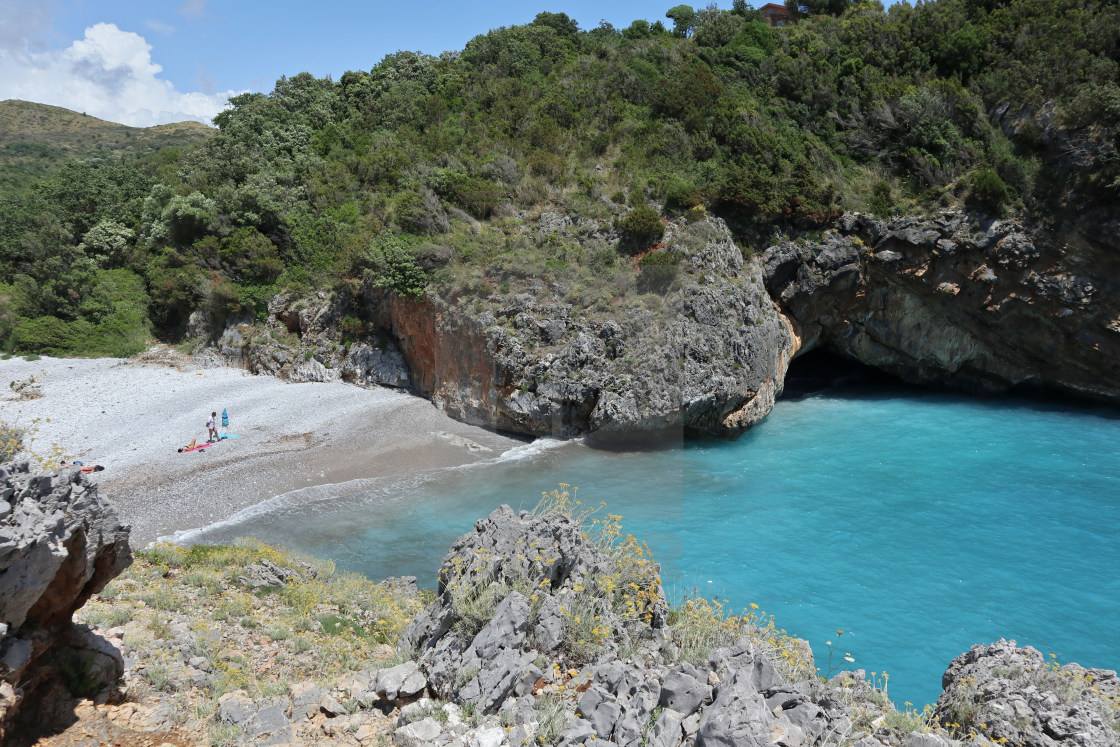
pixel 639 29
pixel 684 20
pixel 641 228
pixel 108 243
pixel 801 8
pixel 715 28
pixel 558 22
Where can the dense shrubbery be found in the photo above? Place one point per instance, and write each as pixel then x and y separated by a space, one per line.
pixel 641 227
pixel 853 107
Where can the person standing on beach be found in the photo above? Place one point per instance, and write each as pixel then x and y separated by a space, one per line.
pixel 212 428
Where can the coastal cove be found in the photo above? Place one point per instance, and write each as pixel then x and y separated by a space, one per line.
pixel 917 523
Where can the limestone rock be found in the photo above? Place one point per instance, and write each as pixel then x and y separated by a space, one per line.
pixel 402 682
pixel 1008 693
pixel 737 718
pixel 708 355
pixel 682 692
pixel 417 734
pixel 373 366
pixel 960 300
pixel 60 543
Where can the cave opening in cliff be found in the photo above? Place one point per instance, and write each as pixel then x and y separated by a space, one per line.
pixel 822 369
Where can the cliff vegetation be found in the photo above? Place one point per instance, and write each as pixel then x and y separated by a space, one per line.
pixel 424 174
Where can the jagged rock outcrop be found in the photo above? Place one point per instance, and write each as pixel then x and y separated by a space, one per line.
pixel 983 306
pixel 708 356
pixel 60 542
pixel 521 568
pixel 1014 696
pixel 525 660
pixel 531 577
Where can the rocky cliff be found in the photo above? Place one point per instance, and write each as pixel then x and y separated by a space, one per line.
pixel 60 542
pixel 706 356
pixel 977 304
pixel 705 353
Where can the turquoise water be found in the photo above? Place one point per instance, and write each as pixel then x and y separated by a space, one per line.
pixel 917 523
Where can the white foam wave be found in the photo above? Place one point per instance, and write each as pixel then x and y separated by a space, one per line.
pixel 534 449
pixel 371 488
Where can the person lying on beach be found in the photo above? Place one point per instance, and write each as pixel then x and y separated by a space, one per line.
pixel 86 468
pixel 189 446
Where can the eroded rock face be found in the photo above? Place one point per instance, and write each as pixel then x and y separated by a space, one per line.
pixel 708 356
pixel 60 543
pixel 978 304
pixel 983 306
pixel 301 342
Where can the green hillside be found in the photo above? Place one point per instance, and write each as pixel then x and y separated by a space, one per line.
pixel 431 172
pixel 36 139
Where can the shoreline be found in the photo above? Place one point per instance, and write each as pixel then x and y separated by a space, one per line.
pixel 130 415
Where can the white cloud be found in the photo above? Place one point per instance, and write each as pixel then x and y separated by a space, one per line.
pixel 193 8
pixel 108 74
pixel 160 26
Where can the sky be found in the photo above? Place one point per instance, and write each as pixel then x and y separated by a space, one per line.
pixel 146 62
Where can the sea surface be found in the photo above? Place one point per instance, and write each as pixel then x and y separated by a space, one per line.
pixel 917 523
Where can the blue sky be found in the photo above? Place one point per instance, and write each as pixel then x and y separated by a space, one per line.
pixel 145 62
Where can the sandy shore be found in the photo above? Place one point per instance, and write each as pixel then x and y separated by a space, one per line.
pixel 131 415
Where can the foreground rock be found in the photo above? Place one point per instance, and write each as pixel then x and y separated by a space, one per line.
pixel 1013 696
pixel 60 543
pixel 568 661
pixel 642 681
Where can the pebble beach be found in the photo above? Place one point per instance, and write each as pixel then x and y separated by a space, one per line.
pixel 131 416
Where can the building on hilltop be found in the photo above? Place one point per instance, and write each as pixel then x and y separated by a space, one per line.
pixel 775 14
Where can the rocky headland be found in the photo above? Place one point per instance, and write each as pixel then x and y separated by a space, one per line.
pixel 960 300
pixel 546 627
pixel 705 353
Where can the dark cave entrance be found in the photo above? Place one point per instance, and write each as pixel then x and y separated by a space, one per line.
pixel 822 369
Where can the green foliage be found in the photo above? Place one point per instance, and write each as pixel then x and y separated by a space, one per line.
pixel 641 227
pixel 658 270
pixel 817 7
pixel 391 264
pixel 852 107
pixel 75 667
pixel 987 191
pixel 46 334
pixel 108 243
pixel 881 201
pixel 684 19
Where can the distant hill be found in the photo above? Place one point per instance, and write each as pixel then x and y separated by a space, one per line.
pixel 37 139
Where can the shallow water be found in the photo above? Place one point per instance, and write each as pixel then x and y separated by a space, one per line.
pixel 919 524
